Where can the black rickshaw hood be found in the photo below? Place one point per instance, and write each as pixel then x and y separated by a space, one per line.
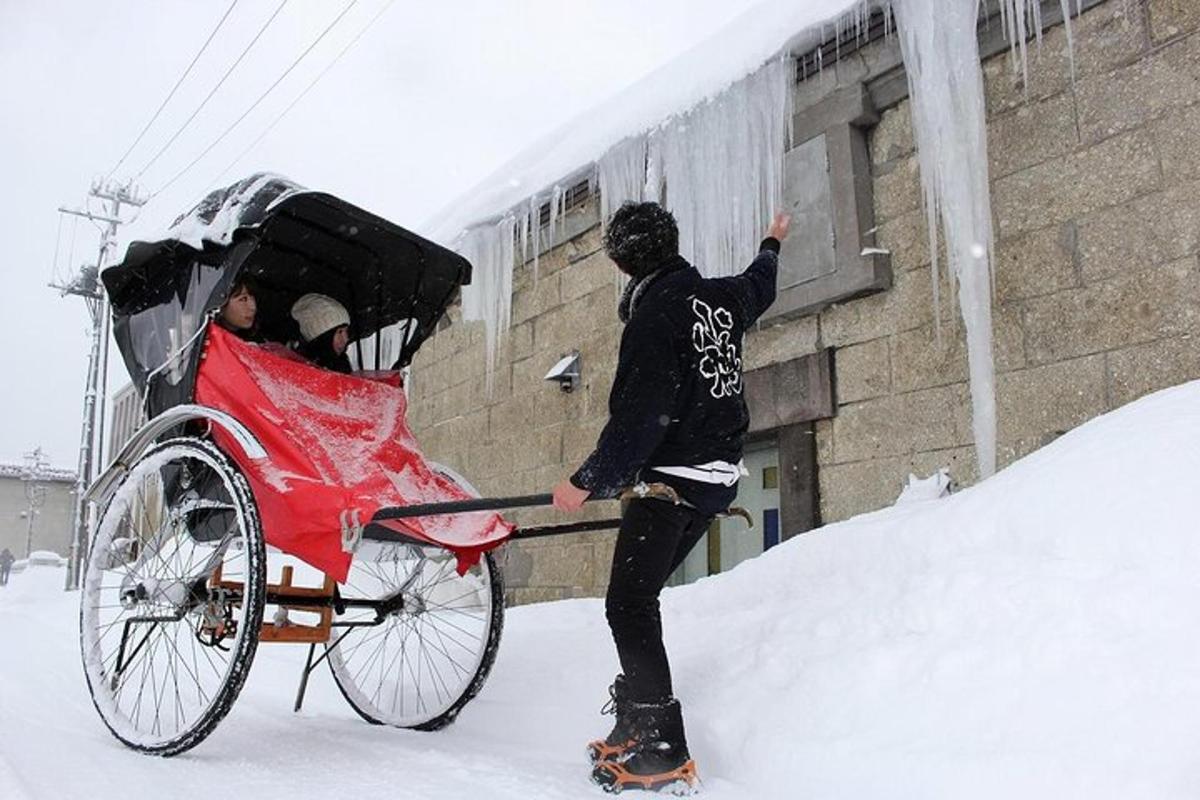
pixel 289 241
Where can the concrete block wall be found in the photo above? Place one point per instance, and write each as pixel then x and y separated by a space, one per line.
pixel 52 525
pixel 1097 231
pixel 1094 189
pixel 528 434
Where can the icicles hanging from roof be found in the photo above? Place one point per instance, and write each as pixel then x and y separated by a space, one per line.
pixel 653 190
pixel 1020 19
pixel 722 163
pixel 621 175
pixel 491 249
pixel 941 56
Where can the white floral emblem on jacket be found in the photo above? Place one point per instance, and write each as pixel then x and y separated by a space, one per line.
pixel 719 359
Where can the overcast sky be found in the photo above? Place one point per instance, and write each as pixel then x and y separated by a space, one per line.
pixel 432 98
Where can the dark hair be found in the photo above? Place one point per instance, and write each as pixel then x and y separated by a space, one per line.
pixel 640 237
pixel 320 351
pixel 241 281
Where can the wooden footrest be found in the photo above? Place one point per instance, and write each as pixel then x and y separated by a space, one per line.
pixel 280 593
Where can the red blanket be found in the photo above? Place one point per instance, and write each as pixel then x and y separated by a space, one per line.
pixel 336 444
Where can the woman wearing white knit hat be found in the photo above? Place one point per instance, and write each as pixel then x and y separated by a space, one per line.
pixel 325 330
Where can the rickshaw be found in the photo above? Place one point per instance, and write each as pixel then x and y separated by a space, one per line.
pixel 382 560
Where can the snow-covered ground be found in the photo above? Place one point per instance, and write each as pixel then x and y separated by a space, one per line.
pixel 1032 637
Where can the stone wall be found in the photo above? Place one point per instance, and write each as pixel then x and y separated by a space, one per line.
pixel 1095 183
pixel 528 434
pixel 1097 282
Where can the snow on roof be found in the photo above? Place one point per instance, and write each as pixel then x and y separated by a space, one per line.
pixel 707 69
pixel 45 474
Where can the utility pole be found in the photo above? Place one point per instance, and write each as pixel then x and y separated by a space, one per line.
pixel 87 285
pixel 33 474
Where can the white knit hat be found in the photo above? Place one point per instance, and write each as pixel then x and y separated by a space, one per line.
pixel 318 314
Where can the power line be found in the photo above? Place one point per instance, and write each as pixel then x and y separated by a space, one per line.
pixel 174 89
pixel 71 251
pixel 307 89
pixel 57 246
pixel 208 97
pixel 254 105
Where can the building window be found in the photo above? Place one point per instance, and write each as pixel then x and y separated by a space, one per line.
pixel 830 256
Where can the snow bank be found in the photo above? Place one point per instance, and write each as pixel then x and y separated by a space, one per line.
pixel 1032 636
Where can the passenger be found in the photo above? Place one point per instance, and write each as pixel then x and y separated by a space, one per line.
pixel 325 331
pixel 239 311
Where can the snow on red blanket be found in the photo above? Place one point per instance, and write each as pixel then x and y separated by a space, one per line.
pixel 334 443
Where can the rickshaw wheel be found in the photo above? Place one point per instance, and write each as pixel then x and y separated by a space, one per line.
pixel 430 656
pixel 432 651
pixel 173 597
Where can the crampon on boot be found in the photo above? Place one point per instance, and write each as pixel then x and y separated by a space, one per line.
pixel 658 761
pixel 620 739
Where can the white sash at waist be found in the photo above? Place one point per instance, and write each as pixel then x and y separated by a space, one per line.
pixel 718 472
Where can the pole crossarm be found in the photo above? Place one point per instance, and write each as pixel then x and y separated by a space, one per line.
pixel 119 196
pixel 89 215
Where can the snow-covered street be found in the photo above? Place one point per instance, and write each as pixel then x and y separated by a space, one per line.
pixel 1030 637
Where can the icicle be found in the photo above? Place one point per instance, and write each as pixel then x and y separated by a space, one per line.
pixel 1066 14
pixel 654 177
pixel 621 174
pixel 489 295
pixel 523 224
pixel 562 215
pixel 941 55
pixel 555 196
pixel 723 167
pixel 535 233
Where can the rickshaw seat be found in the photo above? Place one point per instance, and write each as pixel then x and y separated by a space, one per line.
pixel 335 444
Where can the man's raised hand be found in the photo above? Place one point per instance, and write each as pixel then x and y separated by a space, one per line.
pixel 779 226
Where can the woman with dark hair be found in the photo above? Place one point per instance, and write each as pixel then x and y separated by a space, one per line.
pixel 239 311
pixel 324 331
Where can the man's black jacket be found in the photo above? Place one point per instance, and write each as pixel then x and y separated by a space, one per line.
pixel 677 396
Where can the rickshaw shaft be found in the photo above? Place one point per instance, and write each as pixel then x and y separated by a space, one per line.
pixel 460 506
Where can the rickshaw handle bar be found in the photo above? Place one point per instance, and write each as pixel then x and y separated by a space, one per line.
pixel 641 489
pixel 567 527
pixel 460 506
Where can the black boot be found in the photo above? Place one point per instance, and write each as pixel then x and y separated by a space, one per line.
pixel 659 758
pixel 613 746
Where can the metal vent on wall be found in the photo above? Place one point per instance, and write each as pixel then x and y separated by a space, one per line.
pixel 576 197
pixel 879 25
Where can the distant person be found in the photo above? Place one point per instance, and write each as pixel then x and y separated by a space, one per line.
pixel 324 331
pixel 239 312
pixel 6 562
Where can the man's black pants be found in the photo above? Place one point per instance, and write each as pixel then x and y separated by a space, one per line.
pixel 654 539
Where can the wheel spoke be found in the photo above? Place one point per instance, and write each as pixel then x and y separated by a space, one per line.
pixel 177 668
pixel 420 663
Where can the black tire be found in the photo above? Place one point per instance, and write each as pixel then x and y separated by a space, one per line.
pixel 183 509
pixel 441 654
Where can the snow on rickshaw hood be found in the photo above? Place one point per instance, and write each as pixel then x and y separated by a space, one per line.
pixel 243 204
